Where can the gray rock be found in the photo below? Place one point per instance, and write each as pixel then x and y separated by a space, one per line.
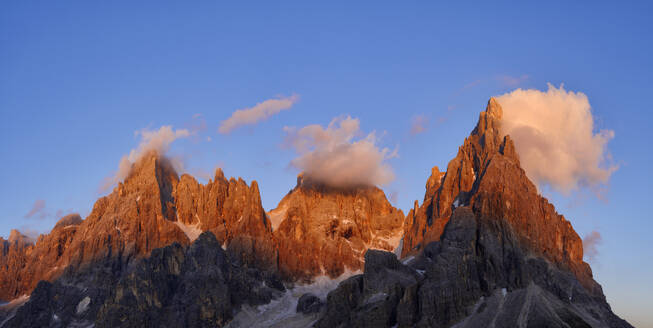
pixel 477 275
pixel 309 303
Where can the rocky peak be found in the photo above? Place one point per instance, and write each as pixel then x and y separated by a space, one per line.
pixel 68 220
pixel 433 183
pixel 230 209
pixel 326 230
pixel 486 176
pixel 17 238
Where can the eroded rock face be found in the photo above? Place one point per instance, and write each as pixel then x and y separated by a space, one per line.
pixel 479 274
pixel 321 230
pixel 14 254
pixel 487 177
pixel 195 286
pixel 232 210
pixel 152 208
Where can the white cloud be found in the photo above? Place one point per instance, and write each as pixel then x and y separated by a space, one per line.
pixel 332 156
pixel 38 210
pixel 259 112
pixel 512 81
pixel 419 124
pixel 151 140
pixel 554 136
pixel 590 243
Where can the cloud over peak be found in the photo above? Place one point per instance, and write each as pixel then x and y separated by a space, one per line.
pixel 37 210
pixel 335 157
pixel 590 243
pixel 419 124
pixel 259 112
pixel 554 136
pixel 158 141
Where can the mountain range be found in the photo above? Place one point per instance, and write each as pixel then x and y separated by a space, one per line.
pixel 483 249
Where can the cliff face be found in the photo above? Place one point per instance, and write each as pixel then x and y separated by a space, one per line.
pixel 14 254
pixel 232 211
pixel 140 215
pixel 486 176
pixel 322 230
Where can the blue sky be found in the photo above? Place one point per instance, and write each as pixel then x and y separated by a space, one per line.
pixel 78 79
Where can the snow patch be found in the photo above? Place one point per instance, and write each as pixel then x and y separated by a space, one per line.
pixel 407 260
pixel 376 298
pixel 399 248
pixel 277 216
pixel 191 231
pixel 83 305
pixel 281 312
pixel 16 301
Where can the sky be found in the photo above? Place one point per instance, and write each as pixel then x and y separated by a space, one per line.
pixel 81 83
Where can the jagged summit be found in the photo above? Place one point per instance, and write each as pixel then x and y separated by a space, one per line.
pixel 16 237
pixel 484 249
pixel 72 219
pixel 152 208
pixel 486 176
pixel 322 230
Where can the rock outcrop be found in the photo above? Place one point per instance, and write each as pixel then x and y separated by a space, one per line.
pixel 196 286
pixel 230 209
pixel 14 254
pixel 322 230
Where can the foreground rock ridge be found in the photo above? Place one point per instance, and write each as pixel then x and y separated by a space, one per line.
pixel 484 249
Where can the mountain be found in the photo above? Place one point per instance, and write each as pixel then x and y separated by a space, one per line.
pixel 484 249
pixel 153 208
pixel 486 176
pixel 322 230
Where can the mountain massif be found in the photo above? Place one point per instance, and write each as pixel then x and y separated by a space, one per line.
pixel 484 249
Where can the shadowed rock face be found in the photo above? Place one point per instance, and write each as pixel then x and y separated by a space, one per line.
pixel 197 286
pixel 478 275
pixel 322 230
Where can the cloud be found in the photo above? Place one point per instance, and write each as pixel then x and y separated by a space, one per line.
pixel 38 210
pixel 151 140
pixel 30 234
pixel 61 213
pixel 419 124
pixel 512 81
pixel 590 243
pixel 554 136
pixel 197 125
pixel 259 112
pixel 393 197
pixel 334 157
